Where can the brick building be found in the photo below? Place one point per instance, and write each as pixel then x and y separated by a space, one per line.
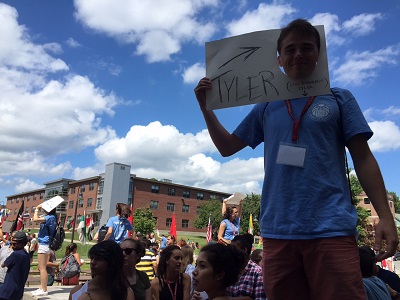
pixel 366 203
pixel 98 196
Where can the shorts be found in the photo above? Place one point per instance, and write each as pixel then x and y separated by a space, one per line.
pixel 43 249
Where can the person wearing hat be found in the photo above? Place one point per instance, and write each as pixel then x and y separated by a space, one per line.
pixel 18 264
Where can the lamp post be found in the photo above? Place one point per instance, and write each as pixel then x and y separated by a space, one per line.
pixel 80 196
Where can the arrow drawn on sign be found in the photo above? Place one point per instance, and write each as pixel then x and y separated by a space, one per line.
pixel 248 49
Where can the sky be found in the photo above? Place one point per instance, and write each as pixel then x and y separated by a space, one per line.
pixel 84 83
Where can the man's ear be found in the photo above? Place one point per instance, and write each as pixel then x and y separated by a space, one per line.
pixel 279 61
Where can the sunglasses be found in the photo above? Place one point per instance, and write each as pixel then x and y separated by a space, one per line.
pixel 128 251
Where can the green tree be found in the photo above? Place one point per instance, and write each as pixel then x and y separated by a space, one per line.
pixel 250 205
pixel 206 209
pixel 395 201
pixel 143 220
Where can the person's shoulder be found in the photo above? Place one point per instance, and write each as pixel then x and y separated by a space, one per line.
pixel 142 276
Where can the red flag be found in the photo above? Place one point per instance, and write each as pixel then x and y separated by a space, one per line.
pixel 209 230
pixel 19 222
pixel 172 229
pixel 130 219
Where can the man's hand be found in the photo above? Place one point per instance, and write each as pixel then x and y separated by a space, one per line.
pixel 385 230
pixel 200 92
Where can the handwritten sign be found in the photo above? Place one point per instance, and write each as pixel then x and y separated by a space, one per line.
pixel 52 203
pixel 235 198
pixel 244 70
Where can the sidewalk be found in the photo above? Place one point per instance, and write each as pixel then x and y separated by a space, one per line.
pixel 54 292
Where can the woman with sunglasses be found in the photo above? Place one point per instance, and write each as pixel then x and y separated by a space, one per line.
pixel 170 283
pixel 108 281
pixel 139 282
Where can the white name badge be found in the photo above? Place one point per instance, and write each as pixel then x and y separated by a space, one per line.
pixel 292 155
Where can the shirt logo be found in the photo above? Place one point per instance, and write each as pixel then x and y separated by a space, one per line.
pixel 320 111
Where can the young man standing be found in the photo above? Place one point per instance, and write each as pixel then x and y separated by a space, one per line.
pixel 307 220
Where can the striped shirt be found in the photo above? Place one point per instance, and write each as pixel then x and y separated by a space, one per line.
pixel 146 264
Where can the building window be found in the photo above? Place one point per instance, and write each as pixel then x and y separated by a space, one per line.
pixel 83 188
pixel 17 200
pixel 153 204
pixel 15 211
pixel 366 201
pixel 185 223
pixel 185 208
pixel 213 197
pixel 34 197
pixel 41 195
pixel 89 202
pixel 12 200
pixel 73 190
pixel 100 188
pixel 27 210
pixel 155 189
pixel 171 191
pixel 98 203
pixel 200 196
pixel 28 198
pixel 170 207
pixel 71 204
pixel 81 203
pixel 186 194
pixel 168 222
pixel 33 209
pixel 91 186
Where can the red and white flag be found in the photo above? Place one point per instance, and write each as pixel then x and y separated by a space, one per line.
pixel 209 230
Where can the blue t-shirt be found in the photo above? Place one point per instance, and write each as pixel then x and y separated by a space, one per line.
pixel 231 229
pixel 120 227
pixel 163 242
pixel 18 264
pixel 312 201
pixel 376 289
pixel 49 225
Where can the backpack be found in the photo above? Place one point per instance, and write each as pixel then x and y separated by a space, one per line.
pixel 102 233
pixel 56 241
pixel 69 267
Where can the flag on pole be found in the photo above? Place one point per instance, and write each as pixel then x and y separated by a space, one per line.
pixel 209 230
pixel 130 219
pixel 250 225
pixel 26 216
pixel 18 224
pixel 82 229
pixel 89 227
pixel 172 230
pixel 69 224
pixel 3 215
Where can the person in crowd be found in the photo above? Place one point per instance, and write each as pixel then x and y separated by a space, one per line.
pixel 306 172
pixel 47 228
pixel 155 248
pixel 147 263
pixel 108 280
pixel 163 242
pixel 139 282
pixel 215 271
pixel 187 266
pixel 181 243
pixel 170 283
pixel 119 225
pixel 375 288
pixel 52 268
pixel 33 247
pixel 250 282
pixel 72 249
pixel 171 240
pixel 5 252
pixel 229 226
pixel 76 262
pixel 152 238
pixel 18 265
pixel 256 256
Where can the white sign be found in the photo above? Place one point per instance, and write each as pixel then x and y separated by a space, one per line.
pixel 52 203
pixel 235 198
pixel 244 70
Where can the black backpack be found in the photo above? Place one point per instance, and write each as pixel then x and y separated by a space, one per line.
pixel 69 267
pixel 57 239
pixel 102 233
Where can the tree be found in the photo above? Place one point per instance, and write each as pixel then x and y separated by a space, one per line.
pixel 143 220
pixel 395 201
pixel 250 205
pixel 206 209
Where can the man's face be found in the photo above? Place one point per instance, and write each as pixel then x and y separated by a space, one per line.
pixel 17 245
pixel 299 55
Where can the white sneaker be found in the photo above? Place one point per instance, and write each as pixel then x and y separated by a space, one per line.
pixel 40 293
pixel 36 291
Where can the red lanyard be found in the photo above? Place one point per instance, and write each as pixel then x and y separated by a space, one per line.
pixel 169 287
pixel 295 130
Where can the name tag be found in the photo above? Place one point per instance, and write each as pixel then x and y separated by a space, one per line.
pixel 292 155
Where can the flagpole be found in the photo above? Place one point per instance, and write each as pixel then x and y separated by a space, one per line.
pixel 76 208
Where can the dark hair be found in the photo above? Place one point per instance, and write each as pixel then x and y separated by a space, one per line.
pixel 367 262
pixel 256 255
pixel 299 26
pixel 173 238
pixel 245 240
pixel 225 259
pixel 145 242
pixel 70 248
pixel 138 246
pixel 123 210
pixel 111 252
pixel 165 255
pixel 228 213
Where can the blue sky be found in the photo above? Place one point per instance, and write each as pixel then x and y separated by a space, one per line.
pixel 84 83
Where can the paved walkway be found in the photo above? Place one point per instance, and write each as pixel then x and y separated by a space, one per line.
pixel 54 292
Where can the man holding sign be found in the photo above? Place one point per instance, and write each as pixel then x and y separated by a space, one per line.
pixel 307 219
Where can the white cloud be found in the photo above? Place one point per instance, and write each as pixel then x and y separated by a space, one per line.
pixel 194 73
pixel 266 16
pixel 158 33
pixel 386 136
pixel 72 43
pixel 362 24
pixel 24 185
pixel 361 67
pixel 331 27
